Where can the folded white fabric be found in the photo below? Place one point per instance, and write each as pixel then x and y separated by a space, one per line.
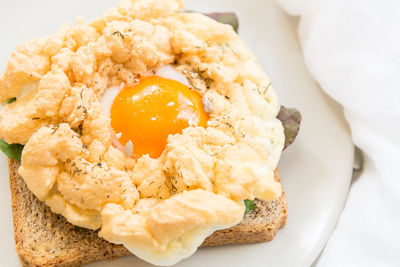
pixel 352 49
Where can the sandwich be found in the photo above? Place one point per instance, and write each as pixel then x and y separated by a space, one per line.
pixel 150 131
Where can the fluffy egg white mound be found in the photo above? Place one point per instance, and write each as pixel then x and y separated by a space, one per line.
pixel 172 230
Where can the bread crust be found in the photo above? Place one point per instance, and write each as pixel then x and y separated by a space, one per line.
pixel 44 239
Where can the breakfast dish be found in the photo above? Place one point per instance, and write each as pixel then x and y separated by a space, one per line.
pixel 154 127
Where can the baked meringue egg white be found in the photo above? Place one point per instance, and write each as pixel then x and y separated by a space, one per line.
pixel 149 124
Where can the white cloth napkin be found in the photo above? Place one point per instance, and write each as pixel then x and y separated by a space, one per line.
pixel 352 49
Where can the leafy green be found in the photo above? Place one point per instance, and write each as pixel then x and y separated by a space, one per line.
pixel 13 151
pixel 11 100
pixel 291 119
pixel 249 205
pixel 222 17
pixel 225 18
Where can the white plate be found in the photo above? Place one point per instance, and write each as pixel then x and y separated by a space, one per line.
pixel 316 170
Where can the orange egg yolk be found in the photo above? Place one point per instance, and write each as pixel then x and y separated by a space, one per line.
pixel 153 109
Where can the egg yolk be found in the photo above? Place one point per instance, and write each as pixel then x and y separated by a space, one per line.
pixel 148 112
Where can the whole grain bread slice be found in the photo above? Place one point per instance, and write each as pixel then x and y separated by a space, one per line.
pixel 43 238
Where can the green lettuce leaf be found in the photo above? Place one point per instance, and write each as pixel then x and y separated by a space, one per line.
pixel 291 119
pixel 225 18
pixel 249 205
pixel 13 151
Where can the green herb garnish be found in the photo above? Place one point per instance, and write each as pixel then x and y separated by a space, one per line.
pixel 11 100
pixel 13 151
pixel 249 205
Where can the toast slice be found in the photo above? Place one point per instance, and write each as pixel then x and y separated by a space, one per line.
pixel 43 238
